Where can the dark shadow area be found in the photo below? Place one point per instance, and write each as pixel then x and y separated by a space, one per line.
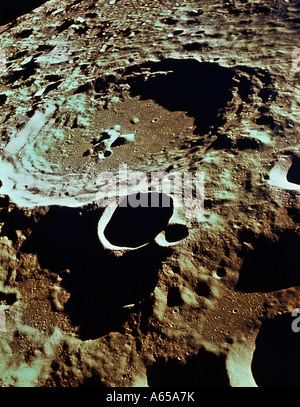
pixel 276 359
pixel 15 8
pixel 13 220
pixel 95 380
pixel 294 213
pixel 200 89
pixel 203 289
pixel 203 370
pixel 222 142
pixel 7 298
pixel 293 174
pixel 134 226
pixel 3 99
pixel 99 283
pixel 174 297
pixel 271 265
pixel 28 70
pixel 174 233
pixel 245 143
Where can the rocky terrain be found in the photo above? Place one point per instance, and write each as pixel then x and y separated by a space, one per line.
pixel 208 87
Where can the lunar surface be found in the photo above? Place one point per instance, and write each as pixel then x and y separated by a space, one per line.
pixel 132 294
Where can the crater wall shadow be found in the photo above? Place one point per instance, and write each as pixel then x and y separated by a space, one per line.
pixel 293 174
pixel 134 226
pixel 199 88
pixel 276 359
pixel 203 370
pixel 272 265
pixel 99 283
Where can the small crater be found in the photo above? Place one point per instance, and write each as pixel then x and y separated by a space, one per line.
pixel 109 139
pixel 221 272
pixel 107 153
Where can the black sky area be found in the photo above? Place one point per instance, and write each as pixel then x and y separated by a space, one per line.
pixel 12 9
